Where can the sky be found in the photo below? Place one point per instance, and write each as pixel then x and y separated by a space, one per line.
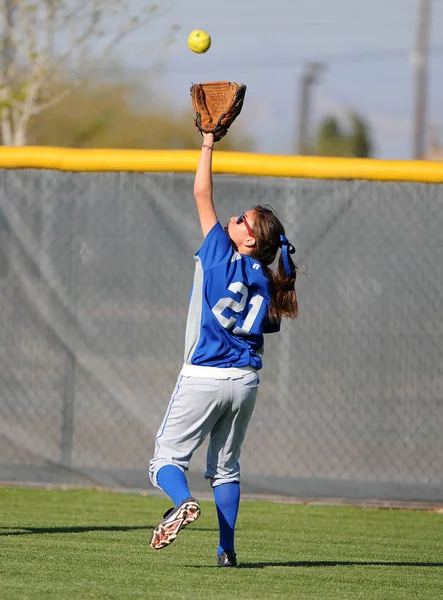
pixel 366 47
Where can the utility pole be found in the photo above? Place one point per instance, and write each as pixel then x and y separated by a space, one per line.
pixel 420 63
pixel 309 77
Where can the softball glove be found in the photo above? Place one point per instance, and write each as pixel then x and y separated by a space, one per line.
pixel 216 105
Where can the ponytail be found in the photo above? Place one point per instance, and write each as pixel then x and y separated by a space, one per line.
pixel 270 236
pixel 284 298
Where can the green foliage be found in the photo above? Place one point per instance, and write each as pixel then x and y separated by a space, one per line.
pixel 41 39
pixel 352 139
pixel 104 114
pixel 359 140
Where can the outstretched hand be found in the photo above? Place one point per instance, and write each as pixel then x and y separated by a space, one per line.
pixel 208 139
pixel 216 105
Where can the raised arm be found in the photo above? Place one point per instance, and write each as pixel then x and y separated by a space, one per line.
pixel 203 186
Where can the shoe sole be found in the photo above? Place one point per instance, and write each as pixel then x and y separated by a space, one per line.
pixel 165 533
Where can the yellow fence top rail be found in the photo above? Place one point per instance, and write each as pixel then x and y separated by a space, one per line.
pixel 239 163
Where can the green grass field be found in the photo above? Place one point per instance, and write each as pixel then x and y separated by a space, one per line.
pixel 94 544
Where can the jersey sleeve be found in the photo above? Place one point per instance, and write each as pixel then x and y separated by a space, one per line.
pixel 216 248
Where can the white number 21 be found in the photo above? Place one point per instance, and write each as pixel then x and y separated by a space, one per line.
pixel 256 301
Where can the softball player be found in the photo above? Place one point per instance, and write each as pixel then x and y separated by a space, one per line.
pixel 235 299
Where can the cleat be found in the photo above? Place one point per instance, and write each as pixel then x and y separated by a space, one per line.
pixel 227 559
pixel 174 520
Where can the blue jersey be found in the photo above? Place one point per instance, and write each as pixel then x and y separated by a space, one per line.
pixel 228 308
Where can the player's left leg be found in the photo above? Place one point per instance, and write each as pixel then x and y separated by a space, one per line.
pixel 174 520
pixel 172 480
pixel 191 414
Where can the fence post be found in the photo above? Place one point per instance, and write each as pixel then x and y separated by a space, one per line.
pixel 67 429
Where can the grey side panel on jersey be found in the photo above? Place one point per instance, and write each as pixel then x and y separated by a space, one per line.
pixel 193 323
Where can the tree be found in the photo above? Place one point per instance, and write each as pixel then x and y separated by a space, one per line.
pixel 39 39
pixel 335 139
pixel 360 143
pixel 330 139
pixel 107 114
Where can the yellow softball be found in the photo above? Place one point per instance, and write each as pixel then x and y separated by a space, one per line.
pixel 199 41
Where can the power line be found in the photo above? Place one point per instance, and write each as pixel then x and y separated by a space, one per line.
pixel 329 58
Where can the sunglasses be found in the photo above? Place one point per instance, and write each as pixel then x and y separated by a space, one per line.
pixel 242 219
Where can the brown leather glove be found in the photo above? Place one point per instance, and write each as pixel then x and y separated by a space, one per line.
pixel 216 105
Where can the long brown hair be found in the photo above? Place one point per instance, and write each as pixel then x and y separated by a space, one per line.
pixel 270 236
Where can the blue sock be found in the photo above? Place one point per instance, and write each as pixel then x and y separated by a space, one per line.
pixel 227 500
pixel 173 482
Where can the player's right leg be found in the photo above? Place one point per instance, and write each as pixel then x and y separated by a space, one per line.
pixel 223 467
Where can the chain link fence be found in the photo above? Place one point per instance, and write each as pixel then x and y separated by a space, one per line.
pixel 95 275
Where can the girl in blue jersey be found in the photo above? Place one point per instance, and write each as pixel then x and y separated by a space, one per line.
pixel 236 298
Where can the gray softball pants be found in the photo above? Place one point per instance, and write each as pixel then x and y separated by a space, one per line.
pixel 220 408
